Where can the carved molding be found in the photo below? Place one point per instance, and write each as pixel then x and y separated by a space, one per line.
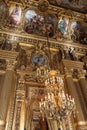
pixel 71 67
pixel 10 64
pixel 81 125
pixel 8 55
pixel 17 115
pixel 20 98
pixel 72 64
pixel 28 40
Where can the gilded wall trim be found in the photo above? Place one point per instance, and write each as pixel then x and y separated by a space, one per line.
pixel 4 54
pixel 53 9
pixel 26 39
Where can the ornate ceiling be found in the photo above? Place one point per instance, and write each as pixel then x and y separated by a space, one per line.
pixel 75 5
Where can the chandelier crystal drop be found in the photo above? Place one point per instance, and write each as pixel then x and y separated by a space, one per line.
pixel 56 104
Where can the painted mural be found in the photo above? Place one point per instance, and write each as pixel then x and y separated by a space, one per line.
pixel 15 14
pixel 78 32
pixel 62 27
pixel 37 24
pixel 48 25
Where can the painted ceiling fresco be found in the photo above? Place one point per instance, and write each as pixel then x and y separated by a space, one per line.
pixel 49 25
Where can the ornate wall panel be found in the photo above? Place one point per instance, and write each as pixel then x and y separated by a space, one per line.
pixel 36 36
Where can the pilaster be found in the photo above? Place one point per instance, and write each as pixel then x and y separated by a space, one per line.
pixel 6 92
pixel 69 66
pixel 19 116
pixel 83 84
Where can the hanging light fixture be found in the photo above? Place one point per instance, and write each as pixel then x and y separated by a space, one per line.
pixel 56 104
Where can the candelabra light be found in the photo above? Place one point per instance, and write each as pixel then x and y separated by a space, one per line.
pixel 56 104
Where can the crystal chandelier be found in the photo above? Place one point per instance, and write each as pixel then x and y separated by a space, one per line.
pixel 56 104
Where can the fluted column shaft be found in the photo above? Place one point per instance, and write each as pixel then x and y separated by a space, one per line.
pixel 49 124
pixel 52 124
pixel 72 90
pixel 5 94
pixel 19 114
pixel 83 85
pixel 81 99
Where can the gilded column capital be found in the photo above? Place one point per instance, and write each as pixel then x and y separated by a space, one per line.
pixel 81 125
pixel 10 64
pixel 68 72
pixel 81 74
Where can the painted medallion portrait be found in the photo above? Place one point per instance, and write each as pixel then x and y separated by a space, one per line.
pixel 15 14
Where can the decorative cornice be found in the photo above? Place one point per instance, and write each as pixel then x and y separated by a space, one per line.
pixel 28 39
pixel 8 55
pixel 55 9
pixel 81 124
pixel 73 64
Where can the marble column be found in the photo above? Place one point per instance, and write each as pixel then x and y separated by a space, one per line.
pixel 6 93
pixel 49 124
pixel 53 124
pixel 83 85
pixel 81 98
pixel 73 92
